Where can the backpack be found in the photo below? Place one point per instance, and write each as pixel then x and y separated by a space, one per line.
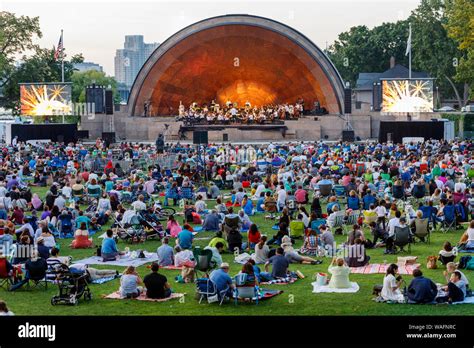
pixel 463 261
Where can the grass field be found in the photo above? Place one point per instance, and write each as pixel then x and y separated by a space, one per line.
pixel 297 298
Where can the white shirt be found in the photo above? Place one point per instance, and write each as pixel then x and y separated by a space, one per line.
pixel 459 186
pixel 394 222
pixel 66 191
pixel 470 234
pixel 381 211
pixel 281 197
pixel 389 282
pixel 138 205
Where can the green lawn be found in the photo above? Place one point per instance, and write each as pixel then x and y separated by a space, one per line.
pixel 297 298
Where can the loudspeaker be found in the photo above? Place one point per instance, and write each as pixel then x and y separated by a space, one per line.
pixel 225 137
pixel 377 96
pixel 348 135
pixel 108 137
pixel 109 102
pixel 95 99
pixel 347 100
pixel 82 134
pixel 200 137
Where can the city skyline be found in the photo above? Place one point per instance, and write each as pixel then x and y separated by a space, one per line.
pixel 104 24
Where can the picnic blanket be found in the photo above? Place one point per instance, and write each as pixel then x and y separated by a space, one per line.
pixel 116 296
pixel 266 294
pixel 95 281
pixel 318 288
pixel 382 268
pixel 283 281
pixel 124 261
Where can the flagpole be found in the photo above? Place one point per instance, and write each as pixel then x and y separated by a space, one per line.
pixel 409 56
pixel 62 57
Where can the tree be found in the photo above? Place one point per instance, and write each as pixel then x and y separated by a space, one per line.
pixel 433 50
pixel 369 50
pixel 80 80
pixel 40 67
pixel 16 36
pixel 460 27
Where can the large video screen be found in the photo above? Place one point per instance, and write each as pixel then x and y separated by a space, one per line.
pixel 414 95
pixel 45 99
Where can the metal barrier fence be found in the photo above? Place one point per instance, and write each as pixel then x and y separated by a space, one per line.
pixel 98 164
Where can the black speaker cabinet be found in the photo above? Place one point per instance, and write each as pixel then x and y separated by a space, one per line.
pixel 108 137
pixel 225 137
pixel 95 99
pixel 347 100
pixel 109 102
pixel 348 135
pixel 200 137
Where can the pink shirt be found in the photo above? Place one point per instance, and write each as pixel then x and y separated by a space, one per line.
pixel 174 228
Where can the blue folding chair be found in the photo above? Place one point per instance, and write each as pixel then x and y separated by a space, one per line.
pixel 449 222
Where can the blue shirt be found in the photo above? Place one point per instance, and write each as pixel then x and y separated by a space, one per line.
pixel 221 279
pixel 185 239
pixel 108 246
pixel 165 255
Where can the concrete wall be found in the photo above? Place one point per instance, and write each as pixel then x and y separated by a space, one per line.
pixel 309 128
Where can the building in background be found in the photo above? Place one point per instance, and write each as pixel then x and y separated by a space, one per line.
pixel 130 59
pixel 87 66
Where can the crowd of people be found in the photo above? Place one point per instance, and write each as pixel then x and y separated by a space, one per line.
pixel 313 191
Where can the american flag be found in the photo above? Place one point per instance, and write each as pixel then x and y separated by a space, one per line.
pixel 60 47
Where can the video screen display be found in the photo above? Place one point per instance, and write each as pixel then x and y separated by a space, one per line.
pixel 45 99
pixel 414 95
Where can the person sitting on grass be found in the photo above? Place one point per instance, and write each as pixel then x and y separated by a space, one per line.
pixel 81 238
pixel 253 237
pixel 310 244
pixel 129 283
pixel 183 257
pixel 279 264
pixel 185 239
pixel 109 251
pixel 4 311
pixel 421 289
pixel 339 274
pixel 391 285
pixel 165 253
pixel 221 279
pixel 357 256
pixel 156 284
pixel 216 253
pixel 447 254
pixel 292 255
pixel 467 239
pixel 218 238
pixel 261 251
pixel 455 290
pixel 211 221
pixel 450 269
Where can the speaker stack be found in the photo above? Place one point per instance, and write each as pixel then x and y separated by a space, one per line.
pixel 200 137
pixel 348 135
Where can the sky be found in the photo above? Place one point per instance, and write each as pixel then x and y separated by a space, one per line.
pixel 96 28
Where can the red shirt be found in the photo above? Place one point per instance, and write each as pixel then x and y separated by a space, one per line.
pixel 254 237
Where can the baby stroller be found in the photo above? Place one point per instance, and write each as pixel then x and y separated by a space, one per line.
pixel 72 286
pixel 151 225
pixel 131 232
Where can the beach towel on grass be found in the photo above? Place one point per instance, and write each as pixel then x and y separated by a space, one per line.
pixel 116 296
pixel 95 281
pixel 286 280
pixel 124 260
pixel 266 294
pixel 319 289
pixel 382 268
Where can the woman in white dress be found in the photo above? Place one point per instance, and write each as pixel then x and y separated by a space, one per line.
pixel 391 285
